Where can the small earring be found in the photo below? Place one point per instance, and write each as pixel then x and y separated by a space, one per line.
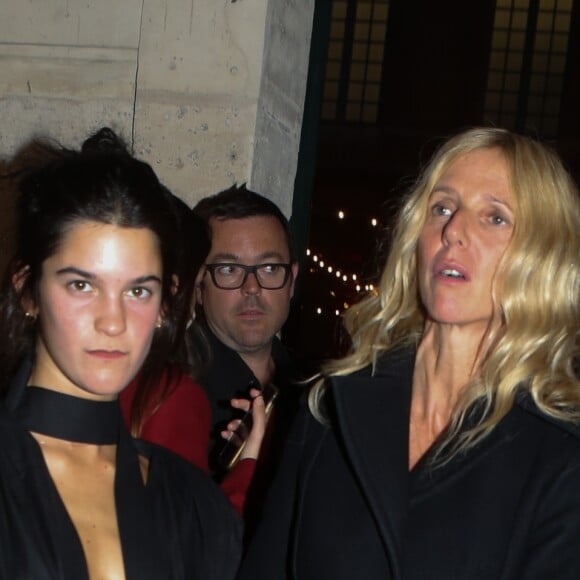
pixel 30 316
pixel 159 324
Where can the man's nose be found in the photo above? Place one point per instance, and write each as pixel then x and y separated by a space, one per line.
pixel 250 285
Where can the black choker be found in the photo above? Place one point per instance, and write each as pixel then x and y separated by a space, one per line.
pixel 70 418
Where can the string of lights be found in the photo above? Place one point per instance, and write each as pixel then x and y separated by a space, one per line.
pixel 353 287
pixel 317 259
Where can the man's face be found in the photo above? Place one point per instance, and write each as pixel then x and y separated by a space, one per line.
pixel 247 318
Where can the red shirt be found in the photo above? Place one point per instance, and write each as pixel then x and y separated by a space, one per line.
pixel 182 424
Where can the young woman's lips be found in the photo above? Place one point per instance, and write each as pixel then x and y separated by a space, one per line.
pixel 107 354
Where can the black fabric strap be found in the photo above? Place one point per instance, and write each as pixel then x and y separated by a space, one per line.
pixel 144 548
pixel 72 418
pixel 100 423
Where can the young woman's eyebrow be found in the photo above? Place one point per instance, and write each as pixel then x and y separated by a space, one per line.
pixel 76 272
pixel 90 276
pixel 145 279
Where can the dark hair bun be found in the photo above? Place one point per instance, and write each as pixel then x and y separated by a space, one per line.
pixel 104 141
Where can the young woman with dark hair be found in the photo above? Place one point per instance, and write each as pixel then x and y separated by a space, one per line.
pixel 90 298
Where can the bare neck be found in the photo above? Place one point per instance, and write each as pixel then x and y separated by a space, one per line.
pixel 446 361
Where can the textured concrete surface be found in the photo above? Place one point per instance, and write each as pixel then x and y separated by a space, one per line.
pixel 210 92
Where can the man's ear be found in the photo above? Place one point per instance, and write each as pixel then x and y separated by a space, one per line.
pixel 294 275
pixel 199 294
pixel 18 281
pixel 174 284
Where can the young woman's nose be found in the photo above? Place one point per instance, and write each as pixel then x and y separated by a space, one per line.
pixel 110 316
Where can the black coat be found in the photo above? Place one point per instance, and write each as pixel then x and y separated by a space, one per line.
pixel 344 505
pixel 227 375
pixel 179 526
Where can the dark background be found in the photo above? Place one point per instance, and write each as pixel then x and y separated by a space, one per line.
pixel 435 70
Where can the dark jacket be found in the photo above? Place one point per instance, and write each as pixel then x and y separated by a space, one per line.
pixel 179 526
pixel 227 376
pixel 344 504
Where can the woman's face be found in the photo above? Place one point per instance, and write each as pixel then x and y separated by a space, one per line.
pixel 470 219
pixel 99 303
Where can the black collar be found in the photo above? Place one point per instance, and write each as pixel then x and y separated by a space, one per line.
pixel 138 526
pixel 226 362
pixel 67 417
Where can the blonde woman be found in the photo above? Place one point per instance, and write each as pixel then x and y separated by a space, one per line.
pixel 445 445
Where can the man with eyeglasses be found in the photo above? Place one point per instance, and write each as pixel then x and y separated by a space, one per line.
pixel 243 298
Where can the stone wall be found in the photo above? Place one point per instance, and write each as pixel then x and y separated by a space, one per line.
pixel 210 92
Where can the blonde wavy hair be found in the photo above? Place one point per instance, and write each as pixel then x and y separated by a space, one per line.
pixel 535 343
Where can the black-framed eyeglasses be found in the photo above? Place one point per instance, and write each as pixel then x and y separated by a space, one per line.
pixel 229 276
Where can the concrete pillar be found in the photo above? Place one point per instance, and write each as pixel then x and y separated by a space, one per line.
pixel 210 92
pixel 281 99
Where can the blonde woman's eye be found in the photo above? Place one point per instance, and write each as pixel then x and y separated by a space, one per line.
pixel 440 209
pixel 498 220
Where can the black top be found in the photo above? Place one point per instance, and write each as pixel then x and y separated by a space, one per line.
pixel 345 505
pixel 177 526
pixel 227 376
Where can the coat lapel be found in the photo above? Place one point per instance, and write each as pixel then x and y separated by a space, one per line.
pixel 373 419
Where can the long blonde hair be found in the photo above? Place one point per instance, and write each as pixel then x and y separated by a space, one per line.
pixel 535 295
